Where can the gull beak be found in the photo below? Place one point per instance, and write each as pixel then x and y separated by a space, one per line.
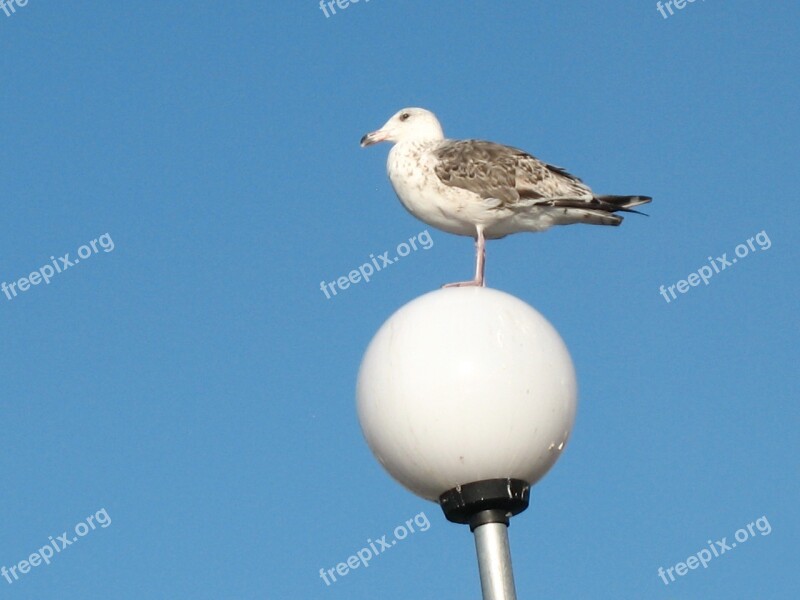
pixel 374 137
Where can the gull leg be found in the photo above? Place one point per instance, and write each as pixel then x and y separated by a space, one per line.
pixel 480 258
pixel 480 262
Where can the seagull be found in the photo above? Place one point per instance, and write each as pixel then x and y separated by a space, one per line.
pixel 482 189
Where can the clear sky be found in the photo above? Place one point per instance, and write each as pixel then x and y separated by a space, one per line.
pixel 189 386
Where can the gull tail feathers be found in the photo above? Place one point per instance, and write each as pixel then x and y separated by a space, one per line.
pixel 599 206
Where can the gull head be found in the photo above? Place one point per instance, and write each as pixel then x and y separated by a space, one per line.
pixel 407 125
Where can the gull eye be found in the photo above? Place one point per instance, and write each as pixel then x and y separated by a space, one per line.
pixel 404 117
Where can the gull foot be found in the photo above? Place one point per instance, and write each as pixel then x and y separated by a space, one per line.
pixel 473 283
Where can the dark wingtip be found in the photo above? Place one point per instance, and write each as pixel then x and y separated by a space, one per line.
pixel 623 203
pixel 641 200
pixel 630 210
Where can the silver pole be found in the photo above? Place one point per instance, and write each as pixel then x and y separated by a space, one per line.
pixel 494 561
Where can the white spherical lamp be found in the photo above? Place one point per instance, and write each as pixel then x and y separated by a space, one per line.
pixel 464 385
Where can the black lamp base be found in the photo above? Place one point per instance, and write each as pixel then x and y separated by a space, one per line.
pixel 487 501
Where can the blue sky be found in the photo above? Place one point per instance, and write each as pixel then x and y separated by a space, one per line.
pixel 195 383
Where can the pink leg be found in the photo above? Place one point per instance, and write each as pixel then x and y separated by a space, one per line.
pixel 480 261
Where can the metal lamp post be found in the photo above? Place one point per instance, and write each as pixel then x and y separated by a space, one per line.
pixel 467 397
pixel 487 506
